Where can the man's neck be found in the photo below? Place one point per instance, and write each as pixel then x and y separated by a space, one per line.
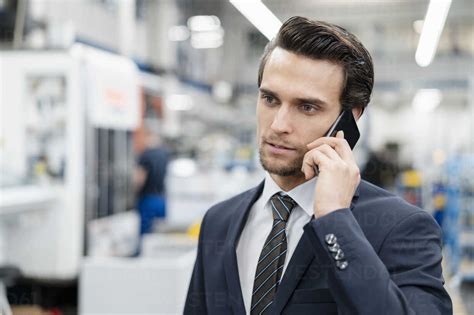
pixel 287 183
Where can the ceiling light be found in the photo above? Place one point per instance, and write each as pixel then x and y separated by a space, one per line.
pixel 222 91
pixel 203 23
pixel 432 28
pixel 259 15
pixel 206 40
pixel 426 100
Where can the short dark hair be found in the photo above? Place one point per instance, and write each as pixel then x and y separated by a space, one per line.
pixel 325 41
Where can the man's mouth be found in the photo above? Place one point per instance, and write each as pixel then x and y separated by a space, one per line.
pixel 279 146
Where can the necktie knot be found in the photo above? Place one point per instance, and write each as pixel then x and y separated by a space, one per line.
pixel 281 206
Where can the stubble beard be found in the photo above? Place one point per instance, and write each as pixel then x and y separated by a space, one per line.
pixel 292 168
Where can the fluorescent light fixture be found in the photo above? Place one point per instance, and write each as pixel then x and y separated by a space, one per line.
pixel 432 28
pixel 222 91
pixel 206 31
pixel 426 100
pixel 178 33
pixel 206 40
pixel 259 15
pixel 203 23
pixel 179 102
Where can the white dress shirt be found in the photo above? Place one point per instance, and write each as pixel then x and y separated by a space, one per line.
pixel 259 224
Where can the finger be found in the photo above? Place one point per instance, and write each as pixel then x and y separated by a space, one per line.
pixel 332 141
pixel 339 144
pixel 340 135
pixel 312 158
pixel 330 152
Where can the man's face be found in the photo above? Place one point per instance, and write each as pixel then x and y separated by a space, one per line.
pixel 297 103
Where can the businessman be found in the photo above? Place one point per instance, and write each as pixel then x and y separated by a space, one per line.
pixel 306 243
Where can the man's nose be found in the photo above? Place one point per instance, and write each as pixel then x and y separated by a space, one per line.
pixel 282 120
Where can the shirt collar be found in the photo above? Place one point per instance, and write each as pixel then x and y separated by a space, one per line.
pixel 303 194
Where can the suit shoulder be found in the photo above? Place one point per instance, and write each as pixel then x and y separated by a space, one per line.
pixel 223 211
pixel 374 198
pixel 379 212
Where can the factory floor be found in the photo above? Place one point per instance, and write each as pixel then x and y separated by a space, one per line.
pixel 64 296
pixel 462 298
pixel 462 295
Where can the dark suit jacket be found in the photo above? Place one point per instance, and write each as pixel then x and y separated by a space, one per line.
pixel 393 250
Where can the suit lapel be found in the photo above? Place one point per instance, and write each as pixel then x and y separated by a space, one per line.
pixel 299 263
pixel 230 257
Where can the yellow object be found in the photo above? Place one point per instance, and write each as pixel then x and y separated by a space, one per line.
pixel 193 230
pixel 244 153
pixel 439 201
pixel 40 168
pixel 411 178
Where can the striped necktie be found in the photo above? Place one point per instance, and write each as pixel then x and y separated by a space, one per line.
pixel 272 258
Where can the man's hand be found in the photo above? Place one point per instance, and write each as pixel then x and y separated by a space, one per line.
pixel 338 176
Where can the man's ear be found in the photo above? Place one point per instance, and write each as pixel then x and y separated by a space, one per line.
pixel 357 112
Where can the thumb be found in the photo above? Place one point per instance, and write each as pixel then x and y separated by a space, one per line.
pixel 340 134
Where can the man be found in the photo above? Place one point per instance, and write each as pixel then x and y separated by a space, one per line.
pixel 301 244
pixel 149 178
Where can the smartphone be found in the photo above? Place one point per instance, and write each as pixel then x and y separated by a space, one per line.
pixel 347 123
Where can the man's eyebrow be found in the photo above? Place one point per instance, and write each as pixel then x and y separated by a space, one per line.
pixel 310 100
pixel 263 90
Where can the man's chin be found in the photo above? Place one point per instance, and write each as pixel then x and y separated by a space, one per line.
pixel 284 172
pixel 281 167
pixel 281 170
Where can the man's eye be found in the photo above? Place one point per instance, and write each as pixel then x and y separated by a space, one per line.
pixel 268 98
pixel 309 108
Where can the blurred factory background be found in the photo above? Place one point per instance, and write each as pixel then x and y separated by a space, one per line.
pixel 94 92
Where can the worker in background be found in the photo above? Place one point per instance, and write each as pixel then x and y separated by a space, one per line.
pixel 382 167
pixel 149 179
